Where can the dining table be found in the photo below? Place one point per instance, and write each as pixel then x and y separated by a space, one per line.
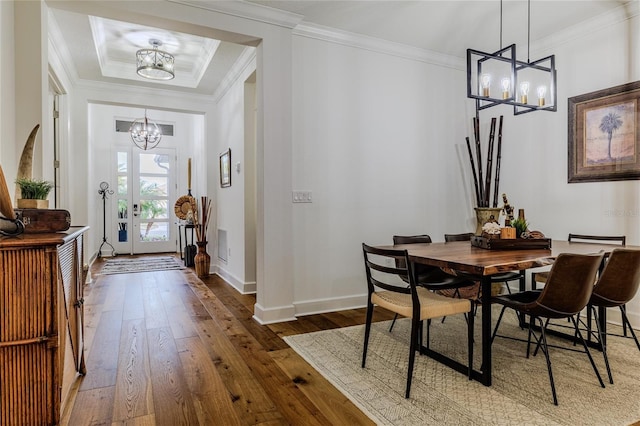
pixel 482 263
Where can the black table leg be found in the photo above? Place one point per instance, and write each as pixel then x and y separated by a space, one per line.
pixel 485 282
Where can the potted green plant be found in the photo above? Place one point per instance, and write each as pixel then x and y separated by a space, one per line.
pixel 521 226
pixel 34 193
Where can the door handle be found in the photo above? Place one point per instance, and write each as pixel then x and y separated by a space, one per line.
pixel 135 210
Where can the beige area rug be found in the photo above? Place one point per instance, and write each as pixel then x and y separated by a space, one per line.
pixel 520 394
pixel 140 264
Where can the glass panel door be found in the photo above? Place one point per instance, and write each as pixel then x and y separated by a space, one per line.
pixel 146 186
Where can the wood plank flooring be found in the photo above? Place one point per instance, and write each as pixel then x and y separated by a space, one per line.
pixel 166 348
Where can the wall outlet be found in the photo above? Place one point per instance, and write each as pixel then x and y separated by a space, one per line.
pixel 302 197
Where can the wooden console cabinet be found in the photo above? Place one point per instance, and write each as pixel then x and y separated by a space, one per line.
pixel 41 324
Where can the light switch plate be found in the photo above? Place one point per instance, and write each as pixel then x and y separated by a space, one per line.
pixel 302 197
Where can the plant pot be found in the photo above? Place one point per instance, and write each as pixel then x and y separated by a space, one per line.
pixel 202 260
pixel 508 233
pixel 26 203
pixel 484 215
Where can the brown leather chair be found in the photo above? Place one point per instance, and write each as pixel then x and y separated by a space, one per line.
pixel 566 293
pixel 503 277
pixel 618 284
pixel 411 301
pixel 541 277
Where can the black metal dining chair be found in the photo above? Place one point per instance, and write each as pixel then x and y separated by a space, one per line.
pixel 566 293
pixel 385 290
pixel 430 277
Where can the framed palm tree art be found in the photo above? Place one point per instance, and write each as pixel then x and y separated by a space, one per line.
pixel 604 134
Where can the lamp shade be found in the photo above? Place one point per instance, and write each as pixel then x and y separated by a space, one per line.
pixel 155 64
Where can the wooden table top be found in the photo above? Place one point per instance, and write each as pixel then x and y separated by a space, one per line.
pixel 462 256
pixel 43 239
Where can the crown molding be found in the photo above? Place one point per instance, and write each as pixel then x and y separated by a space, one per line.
pixel 59 50
pixel 252 11
pixel 246 59
pixel 624 12
pixel 113 94
pixel 373 44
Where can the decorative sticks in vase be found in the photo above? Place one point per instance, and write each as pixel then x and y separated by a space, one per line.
pixel 202 222
pixel 202 260
pixel 483 189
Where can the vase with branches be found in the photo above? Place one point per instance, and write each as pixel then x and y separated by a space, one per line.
pixel 202 259
pixel 483 178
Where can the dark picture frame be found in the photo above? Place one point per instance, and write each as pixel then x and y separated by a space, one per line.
pixel 604 135
pixel 225 168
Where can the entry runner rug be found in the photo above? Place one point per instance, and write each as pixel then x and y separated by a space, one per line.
pixel 520 393
pixel 140 264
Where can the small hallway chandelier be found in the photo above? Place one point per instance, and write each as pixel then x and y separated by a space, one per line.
pixel 500 79
pixel 155 64
pixel 145 134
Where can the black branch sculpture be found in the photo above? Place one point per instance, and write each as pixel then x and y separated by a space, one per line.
pixel 482 184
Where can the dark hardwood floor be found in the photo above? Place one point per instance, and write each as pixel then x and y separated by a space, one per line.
pixel 166 348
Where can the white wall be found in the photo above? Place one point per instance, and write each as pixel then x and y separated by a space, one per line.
pixel 7 94
pixel 230 201
pixel 538 142
pixel 374 140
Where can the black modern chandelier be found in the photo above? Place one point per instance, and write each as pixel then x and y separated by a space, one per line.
pixel 499 78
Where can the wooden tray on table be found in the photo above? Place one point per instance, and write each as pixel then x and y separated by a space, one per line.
pixel 513 244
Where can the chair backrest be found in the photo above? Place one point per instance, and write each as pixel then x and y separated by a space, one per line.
pixel 621 239
pixel 458 237
pixel 620 279
pixel 380 275
pixel 569 285
pixel 413 239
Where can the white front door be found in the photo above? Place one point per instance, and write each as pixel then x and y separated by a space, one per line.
pixel 146 186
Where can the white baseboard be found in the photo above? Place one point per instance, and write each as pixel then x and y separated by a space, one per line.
pixel 634 318
pixel 334 304
pixel 242 286
pixel 614 317
pixel 273 315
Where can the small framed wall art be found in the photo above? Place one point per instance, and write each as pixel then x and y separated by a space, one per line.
pixel 225 168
